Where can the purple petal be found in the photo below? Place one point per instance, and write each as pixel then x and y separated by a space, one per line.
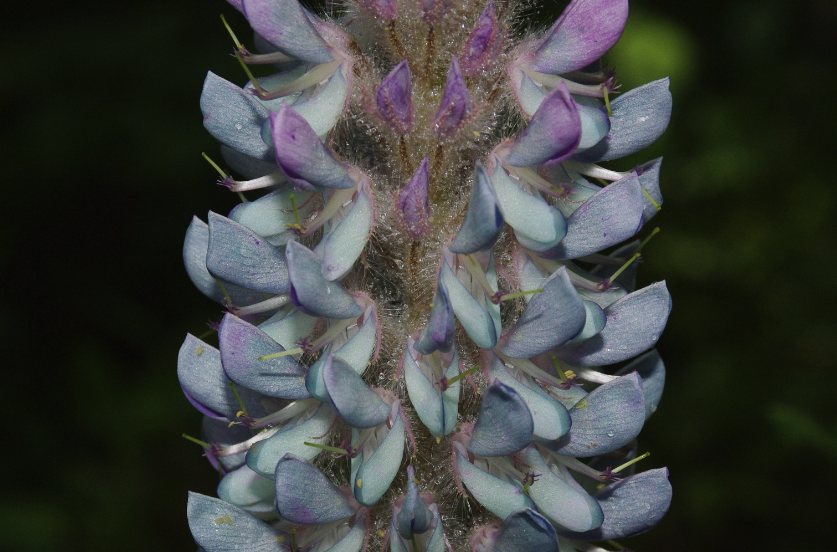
pixel 640 116
pixel 552 134
pixel 612 215
pixel 456 102
pixel 550 319
pixel 505 424
pixel 285 24
pixel 631 506
pixel 584 32
pixel 526 531
pixel 354 401
pixel 413 205
pixel 303 158
pixel 394 98
pixel 437 335
pixel 634 323
pixel 311 292
pixel 385 9
pixel 651 369
pixel 483 219
pixel 482 43
pixel 415 517
pixel 241 346
pixel 238 255
pixel 606 419
pixel 305 495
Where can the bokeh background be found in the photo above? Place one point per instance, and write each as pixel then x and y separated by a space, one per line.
pixel 101 172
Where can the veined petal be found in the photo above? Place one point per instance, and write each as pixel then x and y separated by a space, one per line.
pixel 242 345
pixel 608 418
pixel 354 401
pixel 631 506
pixel 311 292
pixel 249 491
pixel 263 455
pixel 234 117
pixel 634 323
pixel 526 531
pixel 551 318
pixel 437 335
pixel 305 495
pixel 376 472
pixel 456 102
pixel 581 35
pixel 304 159
pixel 640 116
pixel 562 503
pixel 499 497
pixel 475 320
pixel 482 44
pixel 270 215
pixel 239 255
pixel 550 419
pixel 415 517
pixel 504 425
pixel 651 369
pixel 394 98
pixel 483 218
pixel 537 225
pixel 221 527
pixel 284 24
pixel 613 215
pixel 552 134
pixel 342 246
pixel 436 410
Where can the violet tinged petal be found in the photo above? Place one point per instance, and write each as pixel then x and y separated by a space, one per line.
pixel 249 491
pixel 537 225
pixel 436 410
pixel 234 117
pixel 634 323
pixel 218 431
pixel 269 215
pixel 303 158
pixel 375 474
pixel 394 98
pixel 288 326
pixel 237 254
pixel 593 323
pixel 354 401
pixel 285 24
pixel 482 44
pixel 263 455
pixel 581 35
pixel 504 425
pixel 356 352
pixel 483 218
pixel 499 497
pixel 640 116
pixel 194 257
pixel 311 292
pixel 550 319
pixel 324 108
pixel 632 506
pixel 475 320
pixel 651 369
pixel 550 419
pixel 595 124
pixel 649 178
pixel 608 418
pixel 415 517
pixel 385 9
pixel 611 216
pixel 456 102
pixel 559 501
pixel 305 495
pixel 437 335
pixel 342 246
pixel 526 531
pixel 274 82
pixel 413 205
pixel 574 188
pixel 203 379
pixel 553 132
pixel 247 166
pixel 353 540
pixel 221 527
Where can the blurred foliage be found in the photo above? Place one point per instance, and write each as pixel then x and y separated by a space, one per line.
pixel 101 157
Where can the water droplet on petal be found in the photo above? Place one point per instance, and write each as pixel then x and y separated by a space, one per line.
pixel 610 434
pixel 238 126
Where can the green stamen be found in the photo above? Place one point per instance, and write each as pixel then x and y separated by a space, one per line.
pixel 214 165
pixel 464 374
pixel 328 448
pixel 558 369
pixel 648 239
pixel 298 224
pixel 519 294
pixel 651 199
pixel 295 351
pixel 238 44
pixel 616 544
pixel 224 291
pixel 631 462
pixel 413 541
pixel 238 398
pixel 206 334
pixel 294 546
pixel 622 268
pixel 606 97
pixel 197 441
pixel 250 76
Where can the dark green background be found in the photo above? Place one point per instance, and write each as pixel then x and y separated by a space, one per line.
pixel 101 172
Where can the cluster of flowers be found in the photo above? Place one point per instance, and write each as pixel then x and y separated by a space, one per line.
pixel 430 228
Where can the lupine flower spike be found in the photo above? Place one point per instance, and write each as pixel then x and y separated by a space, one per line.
pixel 431 337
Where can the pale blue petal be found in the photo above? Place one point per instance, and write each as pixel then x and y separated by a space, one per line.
pixel 288 329
pixel 249 491
pixel 438 412
pixel 483 220
pixel 493 309
pixel 529 95
pixel 375 474
pixel 342 246
pixel 305 495
pixel 284 24
pixel 504 425
pixel 221 527
pixel 595 123
pixel 437 539
pixel 415 517
pixel 323 109
pixel 437 335
pixel 354 401
pixel 499 497
pixel 273 82
pixel 649 177
pixel 311 292
pixel 634 323
pixel 593 324
pixel 270 215
pixel 247 166
pixel 353 540
pixel 574 188
pixel 529 276
pixel 651 369
pixel 234 117
pixel 526 531
pixel 475 320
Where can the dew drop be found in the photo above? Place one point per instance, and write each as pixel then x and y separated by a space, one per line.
pixel 610 434
pixel 653 338
pixel 238 126
pixel 653 408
